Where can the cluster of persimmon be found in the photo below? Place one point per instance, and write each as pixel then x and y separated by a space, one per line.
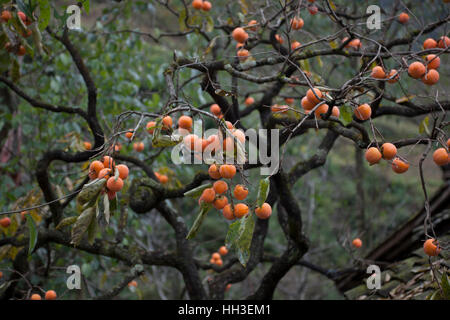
pixel 105 169
pixel 217 194
pixel 388 151
pixel 18 49
pixel 201 5
pixel 162 178
pixel 216 257
pixel 49 295
pixel 310 101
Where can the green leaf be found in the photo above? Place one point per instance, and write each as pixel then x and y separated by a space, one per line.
pixel 199 220
pixel 162 141
pixel 239 237
pixel 346 114
pixel 85 4
pixel 181 20
pixel 66 222
pixel 445 286
pixel 106 210
pixel 197 192
pixel 81 225
pixel 423 127
pixel 45 14
pixel 209 24
pixel 263 191
pixel 33 234
pixel 92 230
pixel 15 70
pixel 89 194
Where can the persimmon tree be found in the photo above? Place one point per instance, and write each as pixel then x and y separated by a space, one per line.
pixel 293 66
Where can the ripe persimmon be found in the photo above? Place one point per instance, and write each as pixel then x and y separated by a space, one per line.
pixel 197 4
pixel 104 173
pixel 22 51
pixel 215 256
pixel 389 151
pixel 433 61
pixel 6 16
pixel 215 109
pixel 373 155
pixel 220 186
pixel 35 296
pixel 313 10
pixel 5 222
pixel 357 243
pixel 129 133
pixel 322 109
pixel 431 77
pixel 444 42
pixel 167 122
pixel 87 145
pixel 297 23
pixel 431 249
pixel 335 112
pixel 314 95
pixel 306 104
pixel 264 212
pixel 163 179
pixel 289 100
pixel 394 75
pixel 185 122
pixel 228 212
pixel 138 146
pixel 429 44
pixel 206 6
pixel 223 251
pixel 227 171
pixel 276 108
pixel 239 35
pixel 403 17
pixel 132 283
pixel 50 295
pixel 416 70
pixel 214 172
pixel 151 125
pixel 219 262
pixel 378 73
pixel 220 202
pixel 253 25
pixel 208 195
pixel 440 157
pixel 111 194
pixel 96 166
pixel 363 112
pixel 239 134
pixel 229 125
pixel 399 166
pixel 114 185
pixel 228 287
pixel 249 101
pixel 243 54
pixel 240 192
pixel 192 142
pixel 123 171
pixel 295 45
pixel 279 39
pixel 240 210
